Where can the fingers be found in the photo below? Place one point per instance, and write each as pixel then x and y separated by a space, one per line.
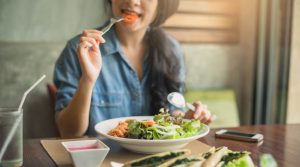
pixel 199 110
pixel 178 113
pixel 90 39
pixel 95 34
pixel 83 46
pixel 211 119
pixel 88 42
pixel 202 113
pixel 82 50
pixel 86 46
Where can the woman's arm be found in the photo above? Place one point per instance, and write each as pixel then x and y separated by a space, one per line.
pixel 73 121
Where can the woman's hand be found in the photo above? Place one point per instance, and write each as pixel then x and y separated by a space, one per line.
pixel 201 112
pixel 89 54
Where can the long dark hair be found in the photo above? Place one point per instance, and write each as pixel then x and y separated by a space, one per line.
pixel 163 60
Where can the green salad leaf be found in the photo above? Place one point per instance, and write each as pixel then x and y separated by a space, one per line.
pixel 267 160
pixel 238 159
pixel 136 129
pixel 164 127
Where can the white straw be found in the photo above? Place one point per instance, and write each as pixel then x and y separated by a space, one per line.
pixel 25 94
pixel 16 123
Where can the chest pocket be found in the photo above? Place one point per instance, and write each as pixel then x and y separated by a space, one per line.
pixel 107 99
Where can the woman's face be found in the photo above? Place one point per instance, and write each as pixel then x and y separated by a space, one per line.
pixel 143 10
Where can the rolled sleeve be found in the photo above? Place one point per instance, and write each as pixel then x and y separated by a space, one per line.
pixel 66 76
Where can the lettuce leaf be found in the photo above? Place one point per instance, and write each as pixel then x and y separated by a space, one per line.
pixel 244 161
pixel 267 160
pixel 165 127
pixel 135 129
pixel 191 127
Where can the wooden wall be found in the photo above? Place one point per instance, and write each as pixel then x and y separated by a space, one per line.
pixel 205 21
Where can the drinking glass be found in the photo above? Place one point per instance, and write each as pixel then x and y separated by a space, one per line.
pixel 13 155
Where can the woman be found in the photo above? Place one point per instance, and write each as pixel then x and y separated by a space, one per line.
pixel 128 71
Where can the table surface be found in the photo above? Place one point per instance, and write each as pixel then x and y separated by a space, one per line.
pixel 282 141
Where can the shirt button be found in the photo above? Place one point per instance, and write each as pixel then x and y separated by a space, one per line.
pixel 136 95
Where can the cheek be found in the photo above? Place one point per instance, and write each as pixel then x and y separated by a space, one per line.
pixel 151 12
pixel 152 16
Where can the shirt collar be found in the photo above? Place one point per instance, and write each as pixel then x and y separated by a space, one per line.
pixel 112 43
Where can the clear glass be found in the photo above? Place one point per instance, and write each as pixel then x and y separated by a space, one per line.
pixel 13 156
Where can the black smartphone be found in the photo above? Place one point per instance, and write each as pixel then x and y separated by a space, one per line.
pixel 242 136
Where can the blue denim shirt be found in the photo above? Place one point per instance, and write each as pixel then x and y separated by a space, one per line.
pixel 118 92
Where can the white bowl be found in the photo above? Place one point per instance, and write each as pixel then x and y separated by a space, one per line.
pixel 142 145
pixel 86 153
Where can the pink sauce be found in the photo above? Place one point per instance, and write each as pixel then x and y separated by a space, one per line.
pixel 83 147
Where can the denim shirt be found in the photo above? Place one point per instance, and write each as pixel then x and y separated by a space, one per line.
pixel 118 92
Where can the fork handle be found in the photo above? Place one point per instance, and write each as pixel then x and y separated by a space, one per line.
pixel 106 28
pixel 190 106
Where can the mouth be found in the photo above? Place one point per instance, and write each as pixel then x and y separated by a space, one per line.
pixel 130 16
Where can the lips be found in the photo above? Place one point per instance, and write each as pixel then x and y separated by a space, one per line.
pixel 130 17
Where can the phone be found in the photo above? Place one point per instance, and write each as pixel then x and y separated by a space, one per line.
pixel 242 136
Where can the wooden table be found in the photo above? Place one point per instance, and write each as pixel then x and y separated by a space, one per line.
pixel 282 141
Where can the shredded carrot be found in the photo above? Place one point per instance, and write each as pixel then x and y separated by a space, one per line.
pixel 129 18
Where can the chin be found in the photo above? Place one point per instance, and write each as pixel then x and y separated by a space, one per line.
pixel 131 27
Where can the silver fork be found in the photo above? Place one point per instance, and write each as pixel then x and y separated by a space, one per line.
pixel 112 21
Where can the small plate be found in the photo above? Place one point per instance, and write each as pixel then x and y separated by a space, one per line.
pixel 142 145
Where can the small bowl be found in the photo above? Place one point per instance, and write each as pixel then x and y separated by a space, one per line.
pixel 87 153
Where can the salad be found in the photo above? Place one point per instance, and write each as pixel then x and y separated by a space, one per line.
pixel 163 126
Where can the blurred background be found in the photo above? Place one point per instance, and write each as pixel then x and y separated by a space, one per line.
pixel 241 56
